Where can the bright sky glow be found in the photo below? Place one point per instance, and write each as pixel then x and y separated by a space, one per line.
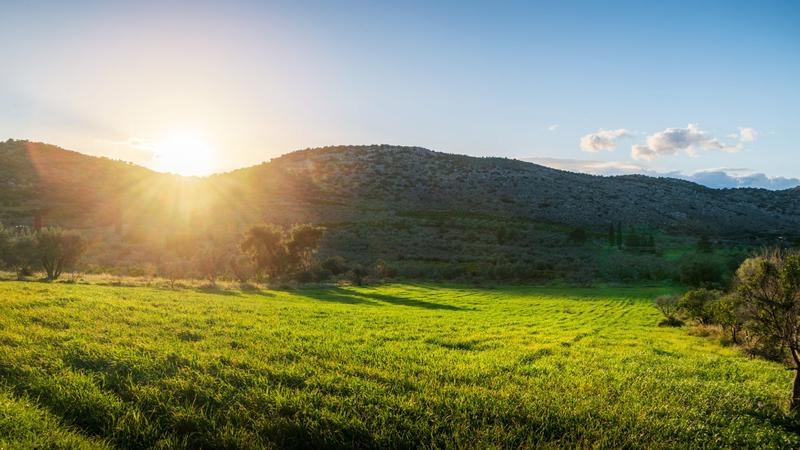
pixel 682 86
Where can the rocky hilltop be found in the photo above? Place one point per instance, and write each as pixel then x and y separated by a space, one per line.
pixel 402 179
pixel 381 182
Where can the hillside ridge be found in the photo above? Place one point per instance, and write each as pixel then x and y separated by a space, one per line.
pixel 336 183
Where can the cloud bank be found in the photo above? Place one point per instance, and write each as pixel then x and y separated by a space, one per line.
pixel 671 141
pixel 690 139
pixel 603 140
pixel 714 178
pixel 747 134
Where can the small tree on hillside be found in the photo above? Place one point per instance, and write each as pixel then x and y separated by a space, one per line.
pixel 704 244
pixel 172 268
pixel 668 305
pixel 578 236
pixel 5 245
pixel 303 242
pixel 20 252
pixel 697 304
pixel 699 271
pixel 211 261
pixel 242 268
pixel 58 250
pixel 769 286
pixel 265 246
pixel 730 313
pixel 611 235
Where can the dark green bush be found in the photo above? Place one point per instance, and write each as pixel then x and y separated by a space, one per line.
pixel 702 271
pixel 698 305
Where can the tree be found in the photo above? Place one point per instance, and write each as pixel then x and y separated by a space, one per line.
pixel 697 304
pixel 242 268
pixel 612 236
pixel 265 246
pixel 619 235
pixel 769 286
pixel 357 274
pixel 5 244
pixel 578 236
pixel 504 235
pixel 704 244
pixel 700 271
pixel 632 239
pixel 58 250
pixel 172 268
pixel 19 252
pixel 303 242
pixel 730 313
pixel 668 305
pixel 336 265
pixel 211 261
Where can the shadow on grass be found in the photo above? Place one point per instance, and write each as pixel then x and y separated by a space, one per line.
pixel 216 290
pixel 349 296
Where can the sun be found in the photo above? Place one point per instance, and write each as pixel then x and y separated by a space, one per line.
pixel 185 153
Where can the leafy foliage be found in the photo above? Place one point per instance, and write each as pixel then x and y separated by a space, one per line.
pixel 58 250
pixel 769 284
pixel 670 307
pixel 698 304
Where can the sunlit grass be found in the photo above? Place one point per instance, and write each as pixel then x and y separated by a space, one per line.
pixel 391 366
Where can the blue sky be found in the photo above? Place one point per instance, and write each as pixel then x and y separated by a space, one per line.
pixel 529 80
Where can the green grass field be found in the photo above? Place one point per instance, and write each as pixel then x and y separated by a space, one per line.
pixel 392 366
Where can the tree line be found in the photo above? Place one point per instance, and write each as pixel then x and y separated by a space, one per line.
pixel 265 252
pixel 51 249
pixel 761 311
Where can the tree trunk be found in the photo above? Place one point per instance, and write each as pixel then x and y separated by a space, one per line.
pixel 796 391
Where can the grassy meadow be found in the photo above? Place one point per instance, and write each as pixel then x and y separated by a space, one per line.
pixel 398 366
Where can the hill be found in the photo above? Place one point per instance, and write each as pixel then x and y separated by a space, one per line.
pixel 387 202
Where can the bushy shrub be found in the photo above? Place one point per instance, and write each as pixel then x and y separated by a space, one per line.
pixel 769 286
pixel 701 271
pixel 669 307
pixel 336 265
pixel 58 250
pixel 631 267
pixel 730 312
pixel 698 305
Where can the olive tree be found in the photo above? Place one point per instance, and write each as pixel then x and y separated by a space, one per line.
pixel 278 253
pixel 730 312
pixel 769 286
pixel 58 250
pixel 301 244
pixel 265 246
pixel 212 260
pixel 21 254
pixel 668 305
pixel 697 304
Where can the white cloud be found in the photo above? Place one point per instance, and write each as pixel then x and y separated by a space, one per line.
pixel 644 152
pixel 714 178
pixel 747 134
pixel 552 127
pixel 720 178
pixel 674 140
pixel 590 166
pixel 603 140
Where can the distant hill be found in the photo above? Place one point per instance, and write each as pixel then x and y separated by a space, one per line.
pixel 382 201
pixel 402 179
